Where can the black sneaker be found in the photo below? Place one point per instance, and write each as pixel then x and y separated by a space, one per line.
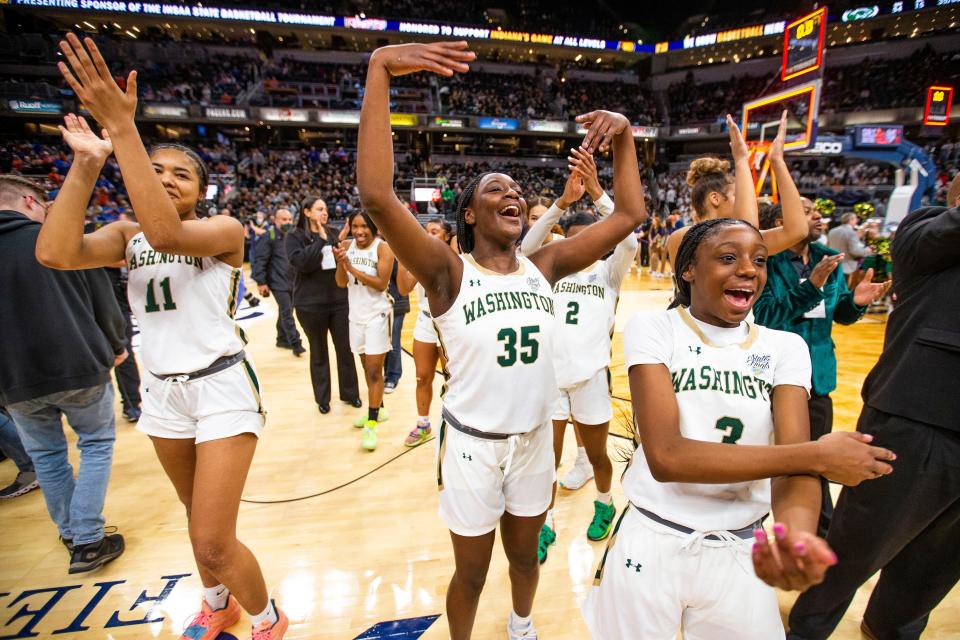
pixel 354 403
pixel 324 408
pixel 87 557
pixel 25 483
pixel 67 543
pixel 132 414
pixel 283 345
pixel 298 350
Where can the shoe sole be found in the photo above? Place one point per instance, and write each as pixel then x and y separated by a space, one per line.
pixel 22 490
pixel 96 564
pixel 604 536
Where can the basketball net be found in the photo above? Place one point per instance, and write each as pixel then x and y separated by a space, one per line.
pixel 759 157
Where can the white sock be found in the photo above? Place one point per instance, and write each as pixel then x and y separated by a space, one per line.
pixel 423 421
pixel 270 613
pixel 582 456
pixel 549 521
pixel 520 624
pixel 216 596
pixel 605 498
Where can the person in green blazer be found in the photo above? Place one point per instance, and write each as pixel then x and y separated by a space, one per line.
pixel 805 294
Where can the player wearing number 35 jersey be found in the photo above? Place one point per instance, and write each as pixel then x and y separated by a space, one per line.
pixel 494 312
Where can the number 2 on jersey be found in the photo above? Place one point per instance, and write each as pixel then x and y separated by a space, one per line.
pixel 168 303
pixel 573 310
pixel 529 346
pixel 733 427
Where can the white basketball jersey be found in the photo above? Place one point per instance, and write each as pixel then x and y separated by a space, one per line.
pixel 184 307
pixel 497 339
pixel 586 307
pixel 723 379
pixel 366 302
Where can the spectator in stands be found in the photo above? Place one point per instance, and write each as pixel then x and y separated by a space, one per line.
pixel 62 333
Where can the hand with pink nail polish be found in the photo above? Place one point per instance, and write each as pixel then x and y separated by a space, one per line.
pixel 793 560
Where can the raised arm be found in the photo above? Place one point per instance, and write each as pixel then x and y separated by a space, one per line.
pixel 62 243
pixel 429 259
pixel 674 458
pixel 605 129
pixel 90 78
pixel 794 228
pixel 573 190
pixel 744 191
pixel 626 250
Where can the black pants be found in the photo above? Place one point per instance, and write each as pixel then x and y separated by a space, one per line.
pixel 905 525
pixel 821 423
pixel 316 321
pixel 287 333
pixel 128 375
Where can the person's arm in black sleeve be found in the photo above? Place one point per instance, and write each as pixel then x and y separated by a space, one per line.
pixel 930 244
pixel 106 311
pixel 261 258
pixel 305 257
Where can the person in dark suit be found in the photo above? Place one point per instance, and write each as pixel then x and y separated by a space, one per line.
pixel 320 304
pixel 905 525
pixel 271 270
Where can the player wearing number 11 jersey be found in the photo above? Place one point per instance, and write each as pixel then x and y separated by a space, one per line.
pixel 201 400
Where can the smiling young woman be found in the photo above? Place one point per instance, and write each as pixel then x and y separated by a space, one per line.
pixel 202 407
pixel 710 393
pixel 494 313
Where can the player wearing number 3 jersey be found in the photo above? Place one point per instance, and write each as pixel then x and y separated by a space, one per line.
pixel 201 397
pixel 494 311
pixel 721 408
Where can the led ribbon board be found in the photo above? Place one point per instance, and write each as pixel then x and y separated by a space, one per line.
pixel 803 41
pixel 937 111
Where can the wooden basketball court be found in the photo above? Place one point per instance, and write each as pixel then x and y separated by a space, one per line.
pixel 347 539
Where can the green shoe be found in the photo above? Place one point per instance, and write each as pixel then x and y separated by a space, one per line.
pixel 547 537
pixel 602 520
pixel 369 439
pixel 361 420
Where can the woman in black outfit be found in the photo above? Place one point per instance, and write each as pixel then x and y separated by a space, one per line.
pixel 320 304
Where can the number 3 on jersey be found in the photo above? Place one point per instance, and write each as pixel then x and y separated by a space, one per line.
pixel 733 427
pixel 168 303
pixel 529 346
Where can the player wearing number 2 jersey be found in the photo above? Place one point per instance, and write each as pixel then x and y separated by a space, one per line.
pixel 201 406
pixel 495 314
pixel 586 308
pixel 720 409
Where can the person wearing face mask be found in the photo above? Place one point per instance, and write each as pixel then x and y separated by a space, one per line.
pixel 271 269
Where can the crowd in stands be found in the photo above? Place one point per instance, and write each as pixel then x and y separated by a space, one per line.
pixel 218 80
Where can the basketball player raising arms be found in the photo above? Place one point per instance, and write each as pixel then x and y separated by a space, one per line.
pixel 714 193
pixel 494 312
pixel 202 405
pixel 363 268
pixel 586 303
pixel 710 393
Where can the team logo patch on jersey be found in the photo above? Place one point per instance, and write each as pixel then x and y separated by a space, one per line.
pixel 533 283
pixel 592 278
pixel 759 363
pixel 636 566
pixel 695 349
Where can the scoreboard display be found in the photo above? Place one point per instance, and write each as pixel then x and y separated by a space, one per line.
pixel 803 44
pixel 881 135
pixel 937 111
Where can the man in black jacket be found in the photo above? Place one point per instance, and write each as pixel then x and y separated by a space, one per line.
pixel 905 525
pixel 62 333
pixel 271 270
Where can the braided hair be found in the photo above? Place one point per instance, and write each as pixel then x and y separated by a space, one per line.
pixel 202 172
pixel 688 250
pixel 465 235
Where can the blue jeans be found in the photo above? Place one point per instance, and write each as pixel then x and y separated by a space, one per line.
pixel 76 506
pixel 393 365
pixel 11 446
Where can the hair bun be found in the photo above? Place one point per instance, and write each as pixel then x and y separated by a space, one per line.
pixel 703 167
